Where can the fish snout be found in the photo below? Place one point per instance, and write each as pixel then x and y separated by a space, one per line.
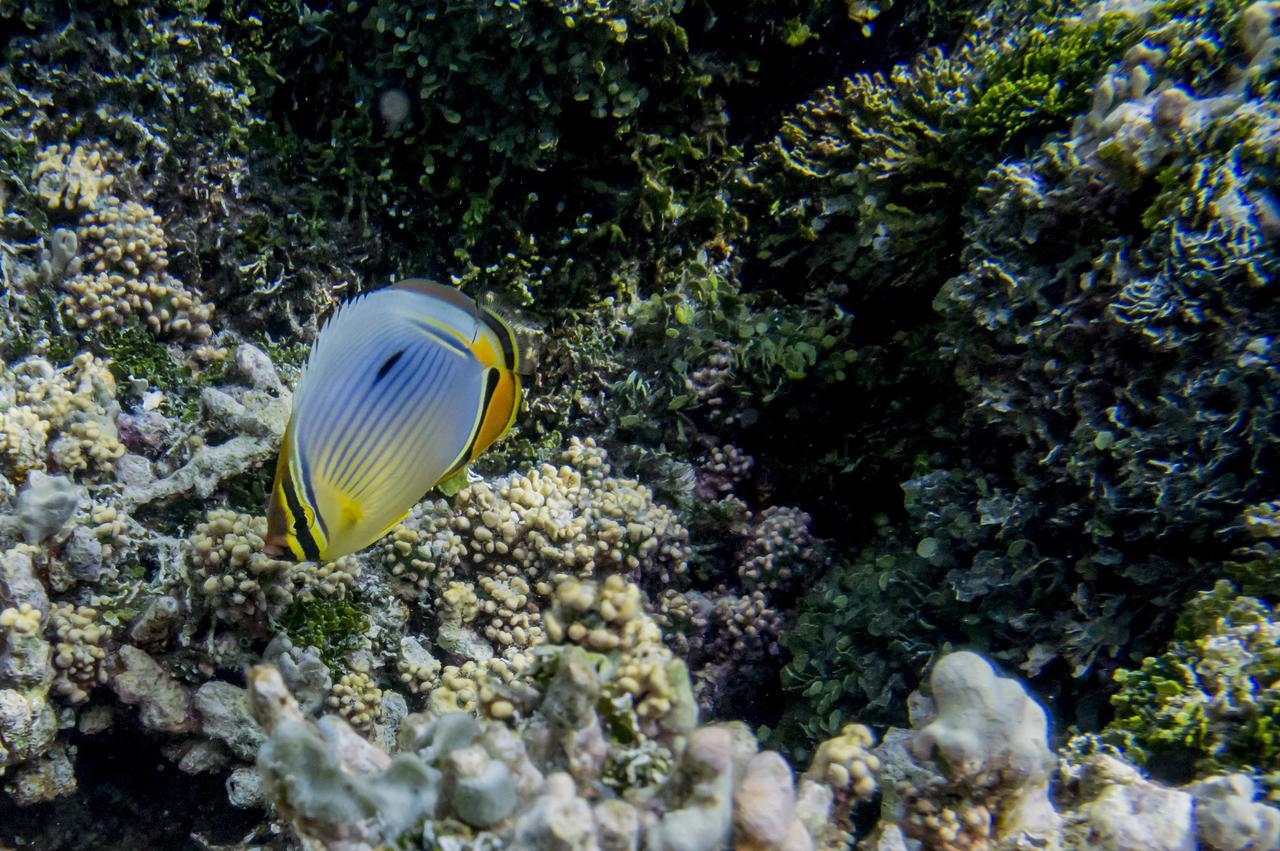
pixel 277 549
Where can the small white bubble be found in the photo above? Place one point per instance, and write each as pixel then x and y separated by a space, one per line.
pixel 393 104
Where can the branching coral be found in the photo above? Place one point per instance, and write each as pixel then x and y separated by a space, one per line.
pixel 238 582
pixel 79 641
pixel 61 418
pixel 72 178
pixel 357 699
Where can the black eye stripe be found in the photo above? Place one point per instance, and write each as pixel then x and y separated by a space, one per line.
pixel 386 367
pixel 505 337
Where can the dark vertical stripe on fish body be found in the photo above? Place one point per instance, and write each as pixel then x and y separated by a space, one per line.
pixel 300 530
pixel 304 468
pixel 506 337
pixel 491 384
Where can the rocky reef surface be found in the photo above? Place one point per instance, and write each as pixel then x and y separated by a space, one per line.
pixel 898 469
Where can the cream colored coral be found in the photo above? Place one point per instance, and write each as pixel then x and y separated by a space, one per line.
pixel 846 764
pixel 418 670
pixel 509 621
pixel 423 547
pixel 87 446
pixel 123 235
pixel 63 415
pixel 72 178
pixel 552 520
pixel 125 254
pixel 50 394
pixel 357 699
pixel 458 603
pixel 79 651
pixel 22 620
pixel 330 579
pixel 229 570
pixel 609 617
pixel 471 687
pixel 108 527
pixel 23 437
pixel 967 828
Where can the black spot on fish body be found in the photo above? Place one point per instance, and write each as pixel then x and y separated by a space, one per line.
pixel 386 366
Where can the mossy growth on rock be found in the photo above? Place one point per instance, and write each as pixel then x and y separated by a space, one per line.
pixel 335 627
pixel 1045 79
pixel 1210 703
pixel 135 355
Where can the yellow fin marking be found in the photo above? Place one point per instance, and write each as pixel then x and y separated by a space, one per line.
pixel 350 510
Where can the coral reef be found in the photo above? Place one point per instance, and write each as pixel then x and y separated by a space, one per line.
pixel 1114 422
pixel 855 339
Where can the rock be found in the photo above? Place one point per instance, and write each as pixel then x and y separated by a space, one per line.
pixel 988 730
pixel 302 671
pixel 312 780
pixel 1140 817
pixel 394 708
pixel 223 709
pixel 464 642
pixel 1126 812
pixel 44 779
pixel 199 756
pixel 244 789
pixel 157 622
pixel 703 824
pixel 19 584
pixel 210 466
pixel 483 790
pixel 134 472
pixel 45 505
pixel 256 367
pixel 813 806
pixel 617 826
pixel 83 555
pixel 28 726
pixel 163 702
pixel 144 431
pixel 764 803
pixel 558 820
pixel 25 656
pixel 1228 819
pixel 95 719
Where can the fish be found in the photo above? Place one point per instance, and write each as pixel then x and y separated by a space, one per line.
pixel 404 387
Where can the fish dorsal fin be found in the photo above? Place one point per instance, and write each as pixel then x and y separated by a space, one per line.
pixel 447 294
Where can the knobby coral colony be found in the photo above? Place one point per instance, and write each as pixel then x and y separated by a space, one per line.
pixel 1038 253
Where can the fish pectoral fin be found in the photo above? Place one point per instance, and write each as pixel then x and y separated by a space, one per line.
pixel 350 511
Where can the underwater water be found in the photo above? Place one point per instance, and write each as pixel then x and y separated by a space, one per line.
pixel 640 424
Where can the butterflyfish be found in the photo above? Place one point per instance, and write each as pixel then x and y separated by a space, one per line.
pixel 404 386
